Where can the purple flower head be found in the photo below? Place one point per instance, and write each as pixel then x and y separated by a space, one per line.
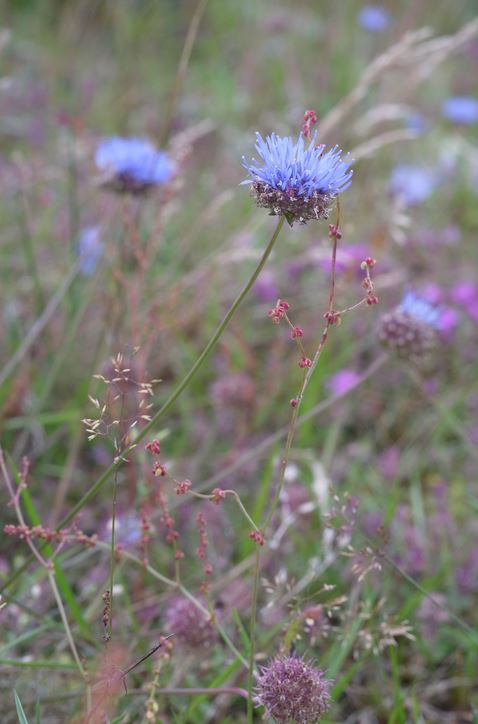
pixel 460 109
pixel 296 180
pixel 89 249
pixel 466 576
pixel 132 165
pixel 432 617
pixel 465 293
pixel 433 293
pixel 372 523
pixel 192 627
pixel 343 381
pixel 388 462
pixel 374 18
pixel 412 184
pixel 266 288
pixel 293 690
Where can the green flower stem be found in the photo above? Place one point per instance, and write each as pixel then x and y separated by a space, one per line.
pixel 252 636
pixel 283 467
pixel 96 487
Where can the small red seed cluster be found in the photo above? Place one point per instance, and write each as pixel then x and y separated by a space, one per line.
pixel 158 498
pixel 310 119
pixel 218 495
pixel 297 333
pixel 201 550
pixel 41 532
pixel 367 283
pixel 258 537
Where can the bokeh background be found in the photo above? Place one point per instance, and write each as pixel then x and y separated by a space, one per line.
pixel 380 503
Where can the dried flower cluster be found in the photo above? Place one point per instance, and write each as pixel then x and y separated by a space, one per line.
pixel 293 690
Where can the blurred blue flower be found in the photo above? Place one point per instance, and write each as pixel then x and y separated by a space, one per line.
pixel 127 529
pixel 374 18
pixel 295 180
pixel 412 184
pixel 132 165
pixel 420 309
pixel 89 249
pixel 460 109
pixel 416 122
pixel 446 318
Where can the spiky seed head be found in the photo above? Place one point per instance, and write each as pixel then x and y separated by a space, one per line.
pixel 292 689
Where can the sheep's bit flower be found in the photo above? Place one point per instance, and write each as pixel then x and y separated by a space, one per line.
pixel 132 165
pixel 297 181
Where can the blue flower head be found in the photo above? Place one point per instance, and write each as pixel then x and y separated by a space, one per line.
pixel 374 18
pixel 420 309
pixel 295 180
pixel 460 109
pixel 412 184
pixel 412 329
pixel 132 165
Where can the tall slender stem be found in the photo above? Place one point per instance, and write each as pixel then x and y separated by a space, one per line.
pixel 284 462
pixel 112 554
pixel 252 636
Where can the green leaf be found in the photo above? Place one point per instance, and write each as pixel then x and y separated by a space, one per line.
pixel 22 718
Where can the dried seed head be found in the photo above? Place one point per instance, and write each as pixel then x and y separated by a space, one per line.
pixel 409 338
pixel 293 690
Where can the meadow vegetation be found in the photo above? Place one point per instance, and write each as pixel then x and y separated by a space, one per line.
pixel 239 423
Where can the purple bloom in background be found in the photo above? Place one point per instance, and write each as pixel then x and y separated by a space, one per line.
pixel 296 180
pixel 464 293
pixel 466 576
pixel 433 618
pixel 293 690
pixel 266 288
pixel 412 184
pixel 132 165
pixel 460 109
pixel 347 258
pixel 89 249
pixel 371 523
pixel 449 320
pixel 433 293
pixel 374 18
pixel 343 381
pixel 388 462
